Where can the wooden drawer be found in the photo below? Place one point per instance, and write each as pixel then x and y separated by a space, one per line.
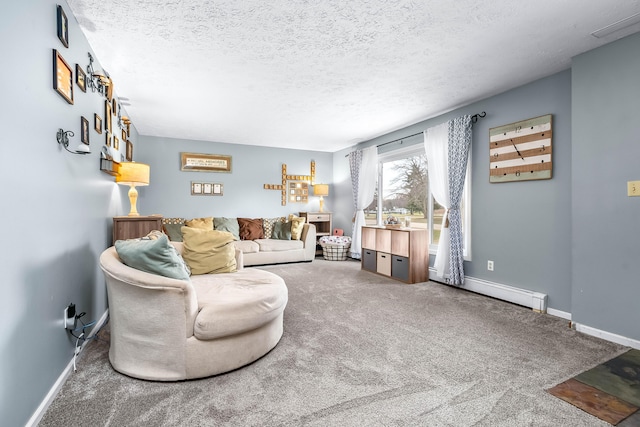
pixel 312 217
pixel 384 263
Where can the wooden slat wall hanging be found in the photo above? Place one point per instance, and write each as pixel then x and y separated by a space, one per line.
pixel 521 151
pixel 311 178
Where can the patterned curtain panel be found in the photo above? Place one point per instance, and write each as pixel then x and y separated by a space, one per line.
pixel 363 166
pixel 459 136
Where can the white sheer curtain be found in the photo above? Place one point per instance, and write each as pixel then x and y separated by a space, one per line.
pixel 364 166
pixel 437 149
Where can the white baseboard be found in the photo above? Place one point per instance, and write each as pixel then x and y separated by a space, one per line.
pixel 618 339
pixel 55 389
pixel 534 300
pixel 559 313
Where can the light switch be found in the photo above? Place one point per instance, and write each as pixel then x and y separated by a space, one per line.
pixel 633 188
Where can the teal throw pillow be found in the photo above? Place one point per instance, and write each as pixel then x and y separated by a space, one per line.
pixel 173 231
pixel 281 231
pixel 155 256
pixel 227 224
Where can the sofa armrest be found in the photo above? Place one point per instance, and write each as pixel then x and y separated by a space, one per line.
pixel 308 238
pixel 239 260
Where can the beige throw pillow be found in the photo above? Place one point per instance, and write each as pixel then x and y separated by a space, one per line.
pixel 296 226
pixel 204 223
pixel 208 251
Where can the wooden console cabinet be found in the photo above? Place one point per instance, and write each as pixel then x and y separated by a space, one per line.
pixel 323 223
pixel 400 253
pixel 131 227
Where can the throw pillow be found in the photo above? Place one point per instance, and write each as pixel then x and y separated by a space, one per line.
pixel 152 255
pixel 204 223
pixel 267 225
pixel 281 231
pixel 171 227
pixel 227 224
pixel 208 251
pixel 296 226
pixel 250 229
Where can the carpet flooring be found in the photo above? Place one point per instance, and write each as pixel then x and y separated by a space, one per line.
pixel 360 349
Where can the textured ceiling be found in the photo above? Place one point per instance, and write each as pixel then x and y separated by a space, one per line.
pixel 323 75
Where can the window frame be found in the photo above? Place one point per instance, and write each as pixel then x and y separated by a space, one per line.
pixel 418 149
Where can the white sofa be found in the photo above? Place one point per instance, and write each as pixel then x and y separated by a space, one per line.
pixel 273 251
pixel 167 329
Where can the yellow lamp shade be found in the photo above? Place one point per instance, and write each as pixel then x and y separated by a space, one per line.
pixel 321 189
pixel 133 174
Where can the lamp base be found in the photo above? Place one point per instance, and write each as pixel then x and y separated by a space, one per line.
pixel 133 199
pixel 321 204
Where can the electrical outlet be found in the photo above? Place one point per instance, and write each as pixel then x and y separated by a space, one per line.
pixel 490 265
pixel 633 188
pixel 69 319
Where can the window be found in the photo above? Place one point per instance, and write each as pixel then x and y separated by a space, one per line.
pixel 403 183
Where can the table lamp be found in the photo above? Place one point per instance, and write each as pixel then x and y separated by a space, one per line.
pixel 321 190
pixel 133 174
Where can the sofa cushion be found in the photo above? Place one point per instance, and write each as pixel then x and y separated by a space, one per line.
pixel 227 224
pixel 281 231
pixel 246 246
pixel 267 225
pixel 204 223
pixel 297 223
pixel 155 256
pixel 171 227
pixel 273 245
pixel 250 229
pixel 231 304
pixel 208 251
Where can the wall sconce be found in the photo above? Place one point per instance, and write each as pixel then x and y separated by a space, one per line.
pixel 63 139
pixel 321 190
pixel 98 82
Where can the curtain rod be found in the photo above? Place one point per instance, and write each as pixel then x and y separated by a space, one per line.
pixel 474 119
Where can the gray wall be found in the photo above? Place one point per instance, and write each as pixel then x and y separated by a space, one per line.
pixel 524 227
pixel 57 208
pixel 169 192
pixel 606 154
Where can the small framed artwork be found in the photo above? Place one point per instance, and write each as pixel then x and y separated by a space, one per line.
pixel 207 188
pixel 84 128
pixel 124 135
pixel 62 77
pixel 116 142
pixel 107 116
pixel 129 151
pixel 196 188
pixel 63 27
pixel 107 139
pixel 217 189
pixel 97 123
pixel 81 78
pixel 114 107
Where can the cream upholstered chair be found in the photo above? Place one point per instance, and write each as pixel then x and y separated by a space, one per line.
pixel 167 329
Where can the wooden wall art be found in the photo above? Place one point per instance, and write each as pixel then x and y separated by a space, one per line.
pixel 521 151
pixel 310 180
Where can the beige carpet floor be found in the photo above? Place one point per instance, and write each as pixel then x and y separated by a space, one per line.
pixel 362 350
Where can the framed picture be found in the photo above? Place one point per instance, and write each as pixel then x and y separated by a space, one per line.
pixel 196 188
pixel 107 116
pixel 107 139
pixel 205 162
pixel 124 135
pixel 207 188
pixel 129 151
pixel 84 130
pixel 62 77
pixel 114 107
pixel 81 78
pixel 116 142
pixel 97 123
pixel 63 27
pixel 217 189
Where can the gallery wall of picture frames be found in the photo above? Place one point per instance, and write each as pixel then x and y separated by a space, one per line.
pixel 207 188
pixel 111 121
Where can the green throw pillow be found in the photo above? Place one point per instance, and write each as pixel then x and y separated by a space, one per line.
pixel 155 256
pixel 227 224
pixel 173 231
pixel 281 231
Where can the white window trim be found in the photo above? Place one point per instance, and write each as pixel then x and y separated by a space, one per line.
pixel 418 149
